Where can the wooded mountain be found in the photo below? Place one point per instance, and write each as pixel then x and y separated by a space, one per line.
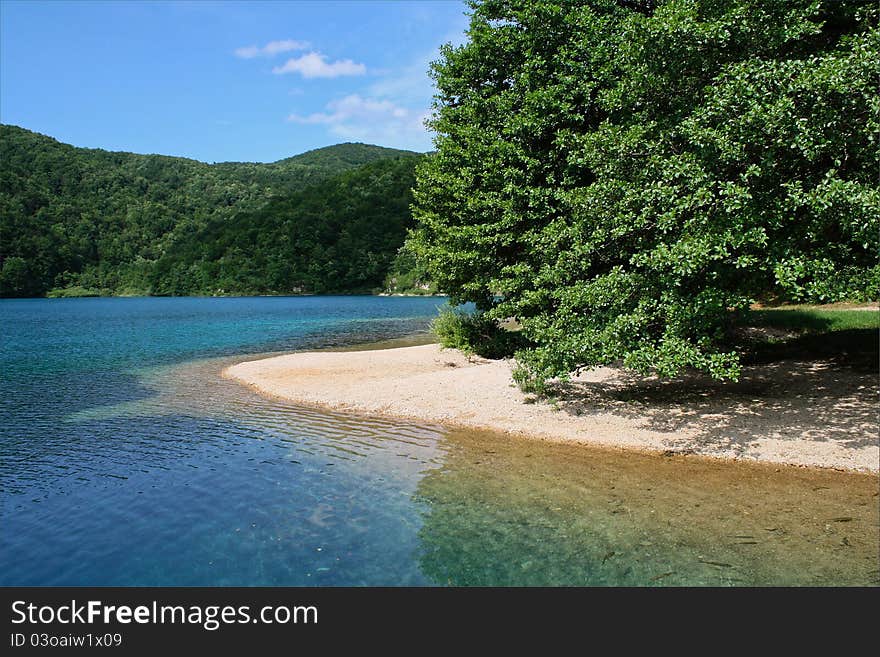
pixel 87 221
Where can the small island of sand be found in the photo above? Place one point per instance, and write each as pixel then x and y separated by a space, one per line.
pixel 790 412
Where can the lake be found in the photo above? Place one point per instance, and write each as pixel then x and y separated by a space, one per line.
pixel 128 460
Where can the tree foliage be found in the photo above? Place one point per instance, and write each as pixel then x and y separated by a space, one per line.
pixel 407 275
pixel 94 221
pixel 621 177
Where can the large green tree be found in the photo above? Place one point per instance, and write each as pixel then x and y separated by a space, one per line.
pixel 622 177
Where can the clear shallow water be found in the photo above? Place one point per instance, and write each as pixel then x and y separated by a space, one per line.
pixel 125 459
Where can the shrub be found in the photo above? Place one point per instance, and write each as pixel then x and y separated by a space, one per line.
pixel 475 333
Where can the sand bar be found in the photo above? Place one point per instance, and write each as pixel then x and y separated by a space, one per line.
pixel 797 413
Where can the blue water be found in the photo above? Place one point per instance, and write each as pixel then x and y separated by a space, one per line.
pixel 126 459
pixel 123 463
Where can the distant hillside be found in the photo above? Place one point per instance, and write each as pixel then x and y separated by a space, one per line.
pixel 92 221
pixel 340 235
pixel 310 167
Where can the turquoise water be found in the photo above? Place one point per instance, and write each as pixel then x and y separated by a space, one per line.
pixel 128 460
pixel 108 480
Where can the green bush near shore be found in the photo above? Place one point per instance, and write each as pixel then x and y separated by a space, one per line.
pixel 475 334
pixel 76 291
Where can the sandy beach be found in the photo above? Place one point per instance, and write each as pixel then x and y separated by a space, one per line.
pixel 790 412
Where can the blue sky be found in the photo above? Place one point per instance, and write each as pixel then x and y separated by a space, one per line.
pixel 223 81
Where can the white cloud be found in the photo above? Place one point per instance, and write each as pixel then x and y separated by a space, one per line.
pixel 275 47
pixel 352 107
pixel 355 118
pixel 412 83
pixel 315 65
pixel 391 106
pixel 247 52
pixel 270 49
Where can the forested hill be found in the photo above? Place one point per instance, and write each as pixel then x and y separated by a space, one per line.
pixel 75 220
pixel 340 235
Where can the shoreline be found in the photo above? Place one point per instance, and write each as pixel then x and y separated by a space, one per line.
pixel 807 414
pixel 140 294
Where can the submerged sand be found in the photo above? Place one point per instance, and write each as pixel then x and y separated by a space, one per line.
pixel 798 413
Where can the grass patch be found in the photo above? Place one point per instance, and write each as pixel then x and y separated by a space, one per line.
pixel 813 319
pixel 846 337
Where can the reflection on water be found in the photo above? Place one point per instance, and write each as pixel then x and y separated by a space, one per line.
pixel 126 473
pixel 512 512
pixel 127 460
pixel 203 482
